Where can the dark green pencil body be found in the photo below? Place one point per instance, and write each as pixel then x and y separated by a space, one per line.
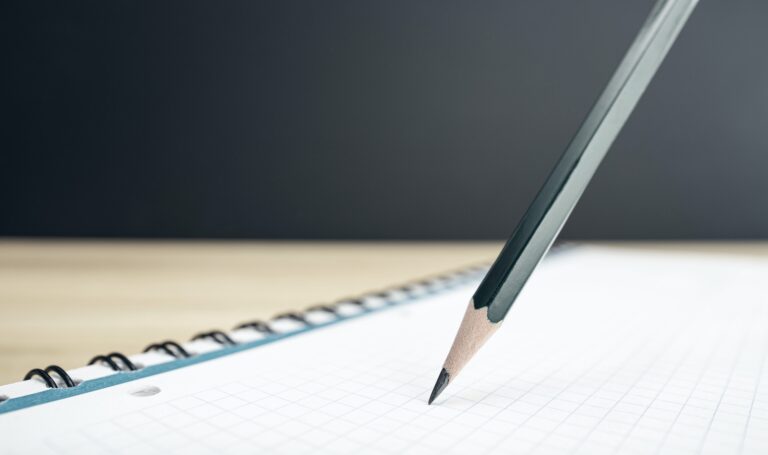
pixel 546 215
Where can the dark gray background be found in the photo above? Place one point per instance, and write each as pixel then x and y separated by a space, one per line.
pixel 370 119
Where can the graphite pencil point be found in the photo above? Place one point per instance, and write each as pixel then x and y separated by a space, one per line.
pixel 442 381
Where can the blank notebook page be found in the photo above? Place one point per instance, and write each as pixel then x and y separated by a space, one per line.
pixel 607 350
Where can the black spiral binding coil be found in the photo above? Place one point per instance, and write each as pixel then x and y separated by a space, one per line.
pixel 324 308
pixel 391 296
pixel 216 335
pixel 385 295
pixel 178 351
pixel 259 326
pixel 292 316
pixel 353 301
pixel 124 365
pixel 45 375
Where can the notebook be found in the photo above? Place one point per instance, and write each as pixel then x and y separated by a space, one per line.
pixel 608 350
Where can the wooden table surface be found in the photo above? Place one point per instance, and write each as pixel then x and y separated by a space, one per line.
pixel 61 302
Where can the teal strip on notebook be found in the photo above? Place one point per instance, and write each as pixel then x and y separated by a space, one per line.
pixel 49 395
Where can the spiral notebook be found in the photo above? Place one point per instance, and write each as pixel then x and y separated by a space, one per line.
pixel 606 351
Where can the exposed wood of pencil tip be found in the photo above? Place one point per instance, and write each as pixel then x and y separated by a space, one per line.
pixel 474 331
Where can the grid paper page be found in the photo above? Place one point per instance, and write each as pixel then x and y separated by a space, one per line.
pixel 607 351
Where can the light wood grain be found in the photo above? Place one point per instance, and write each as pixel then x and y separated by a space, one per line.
pixel 64 301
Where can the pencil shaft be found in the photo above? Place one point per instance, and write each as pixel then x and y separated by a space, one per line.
pixel 546 215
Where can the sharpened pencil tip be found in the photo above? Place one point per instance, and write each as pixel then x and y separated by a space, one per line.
pixel 442 382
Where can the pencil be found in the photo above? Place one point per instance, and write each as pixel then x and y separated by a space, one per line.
pixel 551 207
